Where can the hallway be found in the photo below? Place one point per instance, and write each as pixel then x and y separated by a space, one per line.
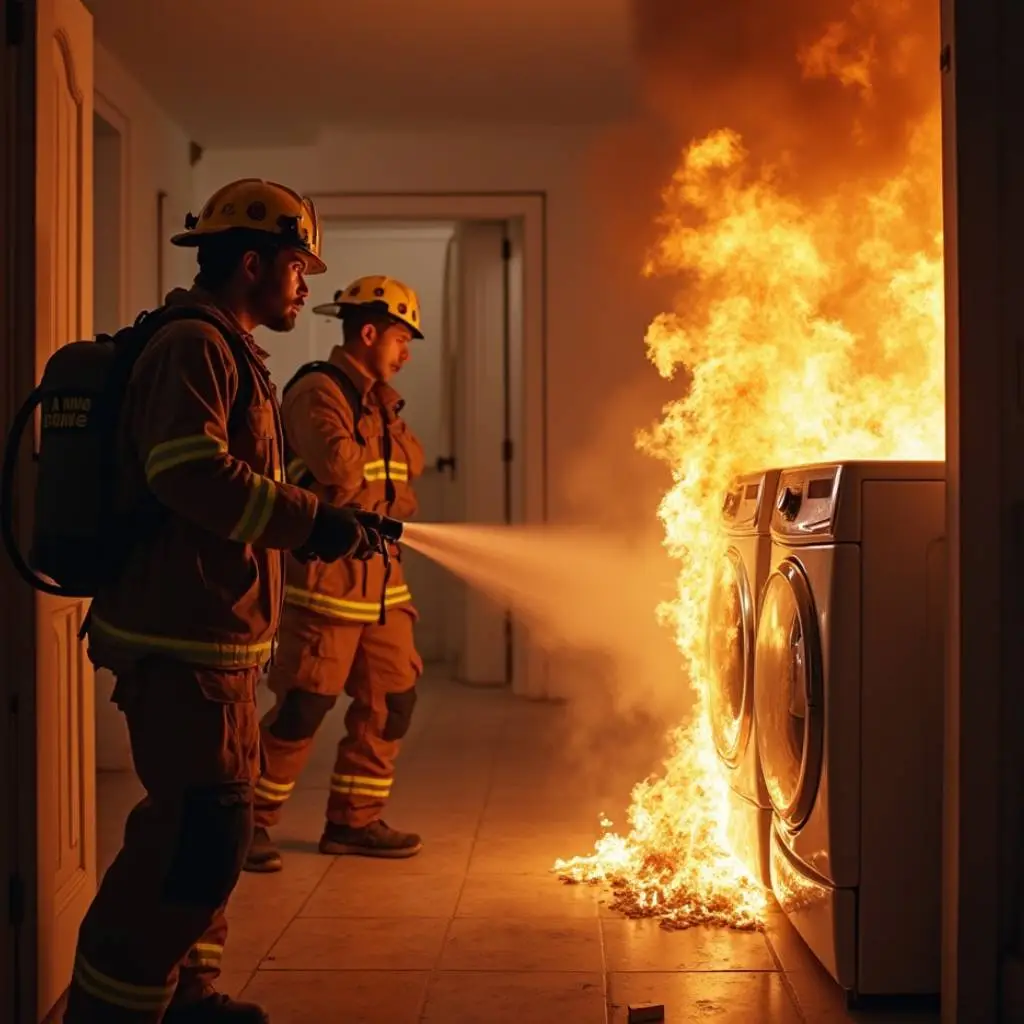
pixel 474 930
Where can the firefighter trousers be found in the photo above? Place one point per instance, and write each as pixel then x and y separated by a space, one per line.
pixel 377 665
pixel 156 929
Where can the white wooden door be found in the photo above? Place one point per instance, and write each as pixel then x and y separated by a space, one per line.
pixel 452 498
pixel 64 698
pixel 479 266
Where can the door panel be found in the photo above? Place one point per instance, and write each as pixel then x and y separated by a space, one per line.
pixel 789 694
pixel 480 430
pixel 452 497
pixel 65 753
pixel 730 658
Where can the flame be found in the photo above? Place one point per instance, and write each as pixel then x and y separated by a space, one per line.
pixel 808 331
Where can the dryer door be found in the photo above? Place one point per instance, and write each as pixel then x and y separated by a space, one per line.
pixel 789 693
pixel 730 657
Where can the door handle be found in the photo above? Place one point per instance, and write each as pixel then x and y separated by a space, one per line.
pixel 445 462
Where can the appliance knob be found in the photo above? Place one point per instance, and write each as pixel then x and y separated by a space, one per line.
pixel 789 503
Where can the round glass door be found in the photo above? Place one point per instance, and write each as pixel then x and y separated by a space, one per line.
pixel 730 657
pixel 788 694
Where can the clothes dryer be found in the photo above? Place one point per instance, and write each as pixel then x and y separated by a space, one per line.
pixel 732 624
pixel 848 695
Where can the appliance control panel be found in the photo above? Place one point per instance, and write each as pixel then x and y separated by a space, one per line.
pixel 746 500
pixel 806 500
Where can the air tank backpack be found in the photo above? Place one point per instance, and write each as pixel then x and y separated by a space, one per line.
pixel 79 539
pixel 304 478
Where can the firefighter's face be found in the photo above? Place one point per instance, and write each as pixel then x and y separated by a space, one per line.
pixel 387 349
pixel 279 289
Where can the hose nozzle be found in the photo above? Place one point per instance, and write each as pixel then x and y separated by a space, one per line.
pixel 387 529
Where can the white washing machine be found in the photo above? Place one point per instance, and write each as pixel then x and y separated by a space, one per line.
pixel 732 626
pixel 848 698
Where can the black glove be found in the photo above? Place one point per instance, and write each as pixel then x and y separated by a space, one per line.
pixel 371 523
pixel 337 533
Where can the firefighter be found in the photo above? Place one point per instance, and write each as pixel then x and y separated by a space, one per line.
pixel 189 622
pixel 348 625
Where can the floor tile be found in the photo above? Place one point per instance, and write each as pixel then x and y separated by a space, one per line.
pixel 358 944
pixel 231 983
pixel 646 946
pixel 791 950
pixel 417 813
pixel 352 997
pixel 262 906
pixel 510 897
pixel 723 997
pixel 250 938
pixel 387 895
pixel 282 892
pixel 509 998
pixel 502 819
pixel 480 944
pixel 441 855
pixel 525 856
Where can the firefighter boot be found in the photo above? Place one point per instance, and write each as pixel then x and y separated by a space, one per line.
pixel 215 1008
pixel 373 840
pixel 263 855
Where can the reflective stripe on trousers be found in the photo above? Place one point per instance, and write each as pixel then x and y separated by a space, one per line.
pixel 361 785
pixel 350 611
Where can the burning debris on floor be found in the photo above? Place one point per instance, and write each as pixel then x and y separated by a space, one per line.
pixel 675 865
pixel 682 910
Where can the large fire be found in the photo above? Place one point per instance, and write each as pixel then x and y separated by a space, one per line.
pixel 808 331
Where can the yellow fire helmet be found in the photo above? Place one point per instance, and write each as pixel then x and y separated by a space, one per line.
pixel 377 293
pixel 257 205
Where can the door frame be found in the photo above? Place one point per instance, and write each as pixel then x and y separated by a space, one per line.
pixel 983 151
pixel 19 855
pixel 530 665
pixel 121 123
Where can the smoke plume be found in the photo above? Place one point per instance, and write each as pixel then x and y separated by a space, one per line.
pixel 826 90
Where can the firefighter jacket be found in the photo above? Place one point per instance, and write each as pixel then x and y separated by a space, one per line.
pixel 204 581
pixel 369 460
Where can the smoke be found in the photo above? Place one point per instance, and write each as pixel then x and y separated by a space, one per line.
pixel 589 598
pixel 826 95
pixel 824 90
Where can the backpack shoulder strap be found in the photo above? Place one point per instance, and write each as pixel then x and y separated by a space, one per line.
pixel 345 383
pixel 243 396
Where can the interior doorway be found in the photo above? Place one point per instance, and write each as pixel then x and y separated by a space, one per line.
pixel 116 787
pixel 108 194
pixel 461 389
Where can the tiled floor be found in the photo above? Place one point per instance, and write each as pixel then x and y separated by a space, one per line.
pixel 474 930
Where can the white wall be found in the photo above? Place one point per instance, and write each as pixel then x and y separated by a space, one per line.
pixel 154 156
pixel 157 160
pixel 415 255
pixel 602 189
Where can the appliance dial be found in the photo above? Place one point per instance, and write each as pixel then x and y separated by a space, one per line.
pixel 789 502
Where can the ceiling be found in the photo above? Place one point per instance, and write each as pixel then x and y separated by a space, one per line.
pixel 259 72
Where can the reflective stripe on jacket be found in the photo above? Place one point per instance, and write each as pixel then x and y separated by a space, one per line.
pixel 377 475
pixel 206 586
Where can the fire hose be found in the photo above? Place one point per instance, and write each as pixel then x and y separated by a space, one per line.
pixel 383 531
